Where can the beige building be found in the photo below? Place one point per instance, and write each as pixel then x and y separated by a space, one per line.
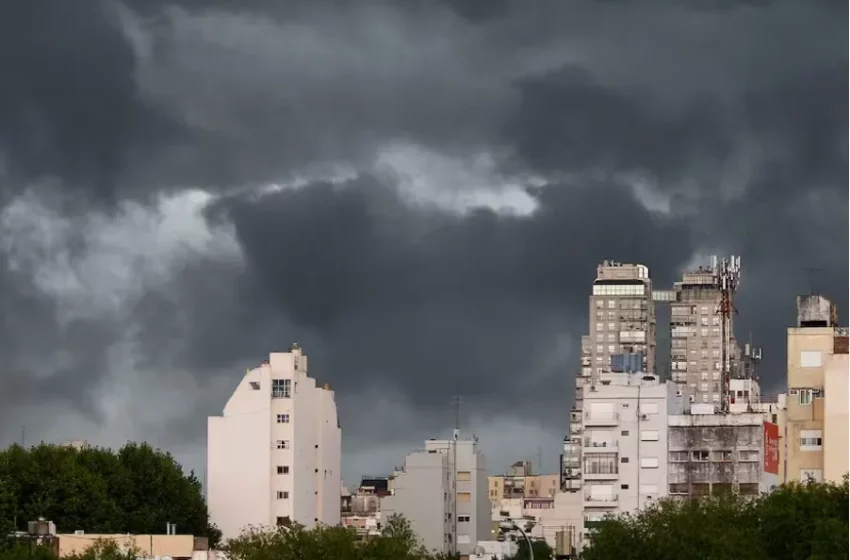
pixel 816 416
pixel 520 482
pixel 146 547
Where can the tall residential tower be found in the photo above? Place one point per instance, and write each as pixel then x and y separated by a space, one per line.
pixel 273 457
pixel 621 339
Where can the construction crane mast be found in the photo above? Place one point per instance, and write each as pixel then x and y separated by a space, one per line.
pixel 727 275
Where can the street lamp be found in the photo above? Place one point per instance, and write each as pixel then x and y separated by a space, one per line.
pixel 506 526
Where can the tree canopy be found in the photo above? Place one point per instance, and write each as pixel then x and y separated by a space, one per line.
pixel 397 542
pixel 796 522
pixel 134 490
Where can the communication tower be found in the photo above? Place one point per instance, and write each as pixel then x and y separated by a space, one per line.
pixel 727 276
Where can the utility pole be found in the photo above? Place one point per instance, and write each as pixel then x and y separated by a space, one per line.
pixel 456 401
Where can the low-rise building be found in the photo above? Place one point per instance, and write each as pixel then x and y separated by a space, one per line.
pixel 442 491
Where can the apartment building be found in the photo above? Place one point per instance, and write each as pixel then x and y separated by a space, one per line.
pixel 713 454
pixel 519 482
pixel 442 491
pixel 624 444
pixel 274 455
pixel 816 434
pixel 621 339
pixel 696 338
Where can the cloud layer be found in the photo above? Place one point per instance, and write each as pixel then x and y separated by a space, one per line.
pixel 417 192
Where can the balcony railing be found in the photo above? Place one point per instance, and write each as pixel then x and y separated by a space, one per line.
pixel 600 444
pixel 609 499
pixel 601 419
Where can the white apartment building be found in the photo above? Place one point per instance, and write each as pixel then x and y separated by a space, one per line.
pixel 624 444
pixel 424 493
pixel 274 455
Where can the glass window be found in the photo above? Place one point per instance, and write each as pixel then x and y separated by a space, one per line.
pixel 281 388
pixel 283 418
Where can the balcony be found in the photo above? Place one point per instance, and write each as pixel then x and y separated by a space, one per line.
pixel 590 446
pixel 575 429
pixel 601 419
pixel 610 500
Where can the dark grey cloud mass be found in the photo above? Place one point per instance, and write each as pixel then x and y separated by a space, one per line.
pixel 145 258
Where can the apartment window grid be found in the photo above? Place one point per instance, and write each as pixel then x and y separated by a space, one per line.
pixel 283 418
pixel 281 388
pixel 282 444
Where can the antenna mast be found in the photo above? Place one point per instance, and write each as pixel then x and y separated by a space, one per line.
pixel 456 402
pixel 727 275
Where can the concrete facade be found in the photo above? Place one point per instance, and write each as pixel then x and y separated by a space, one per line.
pixel 817 361
pixel 621 337
pixel 274 456
pixel 624 445
pixel 424 493
pixel 715 453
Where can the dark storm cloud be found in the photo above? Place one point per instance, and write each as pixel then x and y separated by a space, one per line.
pixel 416 299
pixel 69 105
pixel 735 110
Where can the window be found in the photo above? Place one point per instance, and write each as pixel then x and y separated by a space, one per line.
pixel 283 418
pixel 612 304
pixel 282 444
pixel 463 519
pixel 649 463
pixel 284 521
pixel 626 432
pixel 255 385
pixel 678 456
pixel 599 327
pixel 810 359
pixel 280 388
pixel 699 456
pixel 464 497
pixel 805 396
pixel 283 469
pixel 715 398
pixel 649 408
pixel 282 495
pixel 811 475
pixel 464 476
pixel 624 487
pixel 599 348
pixel 624 459
pixel 811 440
pixel 649 435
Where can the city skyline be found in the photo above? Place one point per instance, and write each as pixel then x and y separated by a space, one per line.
pixel 423 209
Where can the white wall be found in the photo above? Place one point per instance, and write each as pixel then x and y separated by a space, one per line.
pixel 243 455
pixel 421 495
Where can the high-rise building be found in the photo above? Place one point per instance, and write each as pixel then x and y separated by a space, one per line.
pixel 704 355
pixel 274 455
pixel 816 416
pixel 442 491
pixel 621 339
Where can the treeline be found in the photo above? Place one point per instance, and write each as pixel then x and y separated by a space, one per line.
pixel 796 522
pixel 135 490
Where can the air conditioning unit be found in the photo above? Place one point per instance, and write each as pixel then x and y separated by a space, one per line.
pixel 678 392
pixel 691 398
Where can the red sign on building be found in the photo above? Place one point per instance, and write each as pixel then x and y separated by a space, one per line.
pixel 771 448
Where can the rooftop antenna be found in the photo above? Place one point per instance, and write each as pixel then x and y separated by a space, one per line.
pixel 456 402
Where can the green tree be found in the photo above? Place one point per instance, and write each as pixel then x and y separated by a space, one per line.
pixel 797 522
pixel 542 551
pixel 136 490
pixel 329 543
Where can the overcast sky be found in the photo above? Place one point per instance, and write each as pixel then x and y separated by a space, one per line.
pixel 417 191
